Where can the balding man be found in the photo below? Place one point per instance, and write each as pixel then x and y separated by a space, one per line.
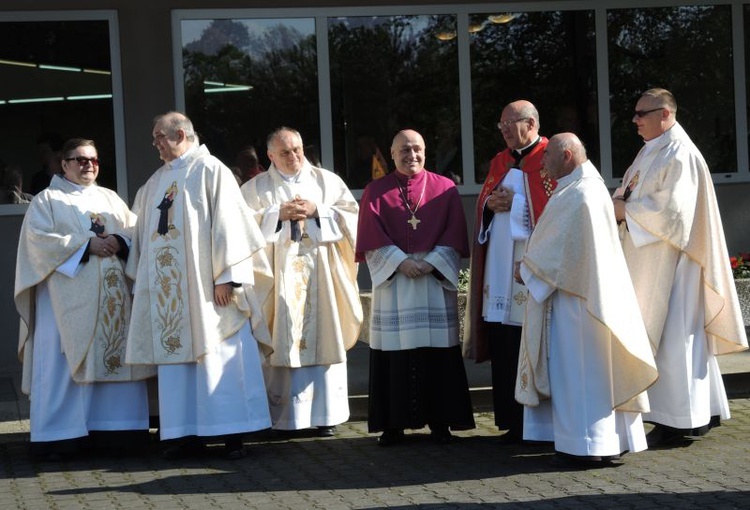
pixel 509 205
pixel 312 307
pixel 585 359
pixel 674 244
pixel 193 295
pixel 412 233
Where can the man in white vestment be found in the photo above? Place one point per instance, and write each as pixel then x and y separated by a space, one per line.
pixel 674 244
pixel 585 360
pixel 74 303
pixel 193 271
pixel 313 310
pixel 508 207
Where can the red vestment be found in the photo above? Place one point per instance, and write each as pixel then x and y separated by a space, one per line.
pixel 538 191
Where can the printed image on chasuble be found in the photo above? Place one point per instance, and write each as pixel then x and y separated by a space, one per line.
pixel 167 269
pixel 166 214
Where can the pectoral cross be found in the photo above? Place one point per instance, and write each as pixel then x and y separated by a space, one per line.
pixel 414 221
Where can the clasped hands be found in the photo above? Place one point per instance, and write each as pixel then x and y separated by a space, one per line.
pixel 415 268
pixel 501 199
pixel 104 246
pixel 297 209
pixel 619 204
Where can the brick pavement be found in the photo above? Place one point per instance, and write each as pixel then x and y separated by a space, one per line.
pixel 351 471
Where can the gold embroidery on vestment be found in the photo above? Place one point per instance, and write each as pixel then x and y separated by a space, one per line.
pixel 111 332
pixel 170 303
pixel 520 297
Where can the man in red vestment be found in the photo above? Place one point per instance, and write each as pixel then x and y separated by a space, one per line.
pixel 512 198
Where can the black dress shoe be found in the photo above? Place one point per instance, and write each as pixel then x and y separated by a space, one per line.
pixel 441 435
pixel 327 431
pixel 234 448
pixel 185 448
pixel 662 435
pixel 235 453
pixel 510 437
pixel 580 462
pixel 391 437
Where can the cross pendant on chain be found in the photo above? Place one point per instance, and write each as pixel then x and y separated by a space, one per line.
pixel 414 221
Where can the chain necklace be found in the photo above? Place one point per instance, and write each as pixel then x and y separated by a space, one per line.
pixel 413 221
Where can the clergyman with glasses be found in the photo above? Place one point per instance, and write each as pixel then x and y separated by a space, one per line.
pixel 674 245
pixel 74 303
pixel 509 205
pixel 198 320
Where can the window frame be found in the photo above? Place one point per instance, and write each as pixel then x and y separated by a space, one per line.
pixel 110 16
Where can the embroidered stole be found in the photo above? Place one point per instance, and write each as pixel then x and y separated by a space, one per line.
pixel 167 278
pixel 105 357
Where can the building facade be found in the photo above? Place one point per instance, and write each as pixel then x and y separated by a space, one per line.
pixel 348 76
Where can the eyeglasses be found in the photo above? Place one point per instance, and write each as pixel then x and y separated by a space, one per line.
pixel 507 123
pixel 285 153
pixel 83 160
pixel 643 113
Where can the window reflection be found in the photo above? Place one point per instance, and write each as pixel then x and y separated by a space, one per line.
pixel 548 58
pixel 389 73
pixel 246 77
pixel 57 84
pixel 687 50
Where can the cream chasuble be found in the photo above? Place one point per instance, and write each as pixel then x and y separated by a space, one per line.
pixel 91 300
pixel 312 306
pixel 193 227
pixel 671 198
pixel 575 249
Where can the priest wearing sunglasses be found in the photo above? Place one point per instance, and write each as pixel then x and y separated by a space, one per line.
pixel 75 305
pixel 674 245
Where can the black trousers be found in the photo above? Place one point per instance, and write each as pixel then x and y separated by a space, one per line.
pixel 505 344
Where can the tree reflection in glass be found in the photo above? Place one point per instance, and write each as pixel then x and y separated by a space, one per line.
pixel 389 73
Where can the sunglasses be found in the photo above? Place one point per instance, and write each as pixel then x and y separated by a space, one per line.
pixel 643 113
pixel 83 160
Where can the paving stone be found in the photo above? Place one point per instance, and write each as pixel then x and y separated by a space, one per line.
pixel 351 472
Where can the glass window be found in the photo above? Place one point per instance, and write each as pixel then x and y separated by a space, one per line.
pixel 687 50
pixel 389 73
pixel 548 58
pixel 57 84
pixel 246 77
pixel 388 68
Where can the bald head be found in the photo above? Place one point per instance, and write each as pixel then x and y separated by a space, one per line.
pixel 173 135
pixel 408 152
pixel 519 124
pixel 174 122
pixel 563 154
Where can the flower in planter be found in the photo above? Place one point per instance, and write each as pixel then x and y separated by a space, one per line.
pixel 463 280
pixel 740 265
